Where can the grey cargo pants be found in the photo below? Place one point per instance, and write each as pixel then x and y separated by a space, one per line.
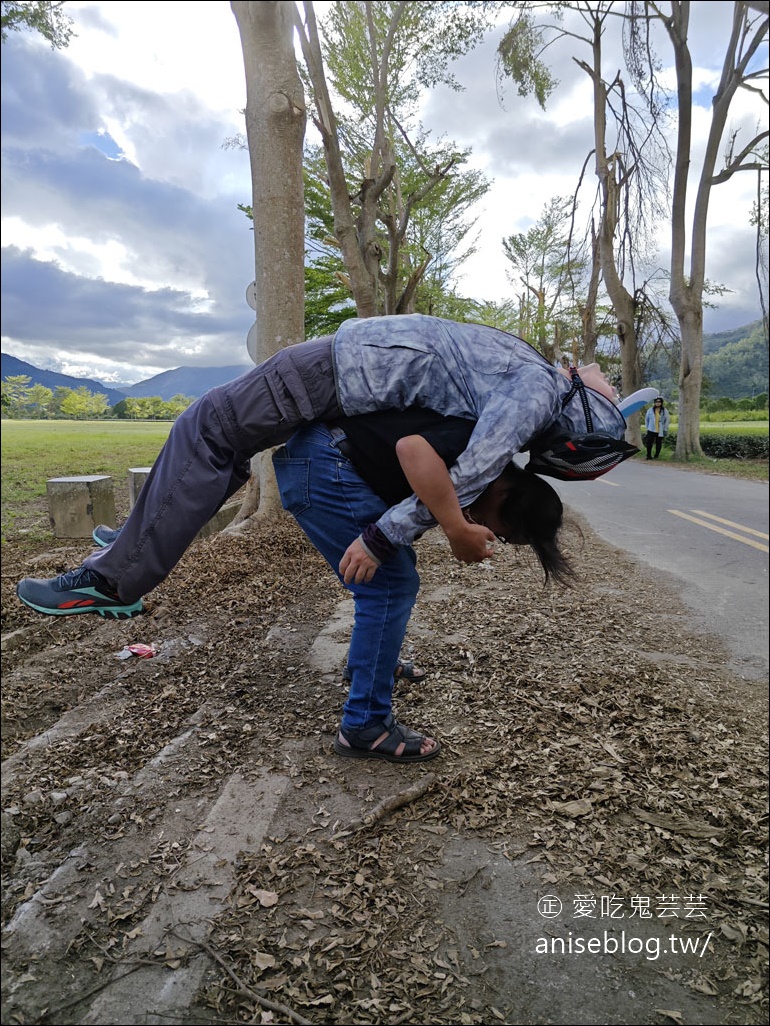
pixel 206 460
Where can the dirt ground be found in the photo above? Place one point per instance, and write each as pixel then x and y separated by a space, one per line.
pixel 181 845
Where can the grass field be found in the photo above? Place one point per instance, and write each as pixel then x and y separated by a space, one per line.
pixel 35 450
pixel 731 427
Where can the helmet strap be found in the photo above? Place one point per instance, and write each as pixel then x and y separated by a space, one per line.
pixel 580 389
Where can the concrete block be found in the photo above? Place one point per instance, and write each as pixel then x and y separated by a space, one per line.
pixel 136 478
pixel 77 504
pixel 220 520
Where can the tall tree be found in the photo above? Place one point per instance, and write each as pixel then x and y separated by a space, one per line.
pixel 391 239
pixel 628 154
pixel 328 296
pixel 15 393
pixel 760 218
pixel 275 130
pixel 741 69
pixel 627 162
pixel 373 59
pixel 81 403
pixel 39 401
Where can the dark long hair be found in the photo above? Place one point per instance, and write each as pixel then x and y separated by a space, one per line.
pixel 534 515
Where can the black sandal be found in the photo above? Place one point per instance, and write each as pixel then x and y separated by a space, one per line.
pixel 406 671
pixel 361 743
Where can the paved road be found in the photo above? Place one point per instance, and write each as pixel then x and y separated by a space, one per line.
pixel 709 532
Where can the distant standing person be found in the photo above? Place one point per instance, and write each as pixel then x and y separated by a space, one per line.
pixel 656 424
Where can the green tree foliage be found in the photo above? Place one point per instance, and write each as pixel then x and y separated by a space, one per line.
pixel 80 404
pixel 328 298
pixel 49 19
pixel 15 389
pixel 419 256
pixel 503 315
pixel 416 44
pixel 544 277
pixel 439 238
pixel 397 199
pixel 37 402
pixel 151 407
pixel 40 402
pixel 175 405
pixel 146 408
pixel 519 58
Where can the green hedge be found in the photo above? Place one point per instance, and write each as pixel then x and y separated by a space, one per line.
pixel 729 446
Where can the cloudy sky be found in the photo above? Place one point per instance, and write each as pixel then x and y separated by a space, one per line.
pixel 124 253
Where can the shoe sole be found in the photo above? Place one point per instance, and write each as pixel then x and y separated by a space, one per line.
pixel 98 541
pixel 117 613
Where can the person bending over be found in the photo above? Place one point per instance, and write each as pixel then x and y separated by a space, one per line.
pixel 568 422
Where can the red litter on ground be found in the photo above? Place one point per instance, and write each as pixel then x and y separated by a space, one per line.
pixel 143 651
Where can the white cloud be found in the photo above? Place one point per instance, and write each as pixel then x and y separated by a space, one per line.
pixel 164 48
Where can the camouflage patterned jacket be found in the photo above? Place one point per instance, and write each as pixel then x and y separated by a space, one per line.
pixel 467 370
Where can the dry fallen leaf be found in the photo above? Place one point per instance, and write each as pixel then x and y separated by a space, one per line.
pixel 678 824
pixel 573 809
pixel 266 898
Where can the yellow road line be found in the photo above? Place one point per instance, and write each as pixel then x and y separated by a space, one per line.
pixel 729 523
pixel 720 530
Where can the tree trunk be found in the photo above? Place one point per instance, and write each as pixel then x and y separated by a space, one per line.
pixel 346 231
pixel 589 334
pixel 357 231
pixel 690 378
pixel 275 130
pixel 613 183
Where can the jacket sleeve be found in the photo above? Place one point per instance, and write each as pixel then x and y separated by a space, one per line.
pixel 508 422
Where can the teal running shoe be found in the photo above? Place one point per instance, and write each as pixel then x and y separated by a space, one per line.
pixel 104 536
pixel 78 591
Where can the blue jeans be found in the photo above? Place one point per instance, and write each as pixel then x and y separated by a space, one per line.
pixel 332 504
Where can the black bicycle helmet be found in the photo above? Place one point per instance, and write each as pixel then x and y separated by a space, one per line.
pixel 577 457
pixel 571 454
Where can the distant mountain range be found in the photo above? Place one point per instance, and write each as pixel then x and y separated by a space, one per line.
pixel 189 381
pixel 735 364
